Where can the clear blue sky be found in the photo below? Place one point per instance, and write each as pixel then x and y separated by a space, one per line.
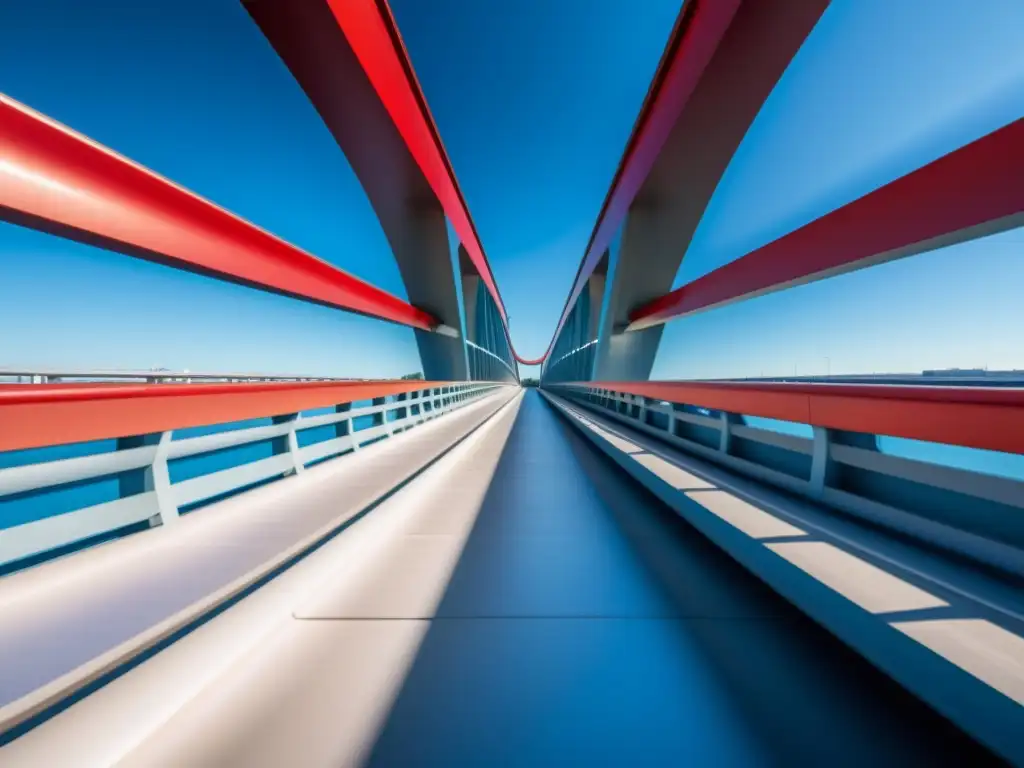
pixel 535 100
pixel 880 88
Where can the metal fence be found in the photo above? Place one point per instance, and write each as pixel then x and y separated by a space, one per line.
pixel 140 463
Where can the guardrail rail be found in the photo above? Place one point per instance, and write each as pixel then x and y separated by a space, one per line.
pixel 959 487
pixel 59 437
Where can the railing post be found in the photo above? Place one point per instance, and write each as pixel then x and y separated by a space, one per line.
pixel 289 442
pixel 159 478
pixel 823 469
pixel 415 416
pixel 155 478
pixel 381 416
pixel 345 427
pixel 821 461
pixel 403 412
pixel 727 421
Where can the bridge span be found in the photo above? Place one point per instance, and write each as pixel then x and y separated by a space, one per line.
pixel 452 569
pixel 490 585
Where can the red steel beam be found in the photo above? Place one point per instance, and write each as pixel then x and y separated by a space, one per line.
pixel 974 191
pixel 698 31
pixel 298 30
pixel 58 181
pixel 525 361
pixel 56 414
pixel 974 417
pixel 370 29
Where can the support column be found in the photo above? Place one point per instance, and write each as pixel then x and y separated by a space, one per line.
pixel 470 286
pixel 629 356
pixel 307 37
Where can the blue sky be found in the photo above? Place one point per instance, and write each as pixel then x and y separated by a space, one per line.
pixel 879 89
pixel 191 89
pixel 534 100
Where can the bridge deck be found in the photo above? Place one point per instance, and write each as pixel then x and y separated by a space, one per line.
pixel 585 624
pixel 72 618
pixel 520 603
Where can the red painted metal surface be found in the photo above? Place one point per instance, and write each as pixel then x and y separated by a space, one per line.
pixel 56 414
pixel 58 181
pixel 974 417
pixel 535 361
pixel 395 137
pixel 974 191
pixel 370 29
pixel 699 29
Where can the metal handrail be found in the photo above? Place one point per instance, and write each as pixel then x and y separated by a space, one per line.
pixel 144 419
pixel 56 414
pixel 839 461
pixel 990 418
pixel 496 357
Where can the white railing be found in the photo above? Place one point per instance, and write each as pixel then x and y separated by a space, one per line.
pixel 160 500
pixel 508 367
pixel 572 352
pixel 972 514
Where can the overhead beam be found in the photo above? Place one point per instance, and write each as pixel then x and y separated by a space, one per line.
pixel 60 182
pixel 972 192
pixel 349 59
pixel 722 61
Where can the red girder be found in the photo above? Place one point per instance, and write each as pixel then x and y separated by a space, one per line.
pixel 698 31
pixel 371 33
pixel 58 181
pixel 973 191
pixel 370 29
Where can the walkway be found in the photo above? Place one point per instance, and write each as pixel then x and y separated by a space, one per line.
pixel 586 625
pixel 70 620
pixel 522 603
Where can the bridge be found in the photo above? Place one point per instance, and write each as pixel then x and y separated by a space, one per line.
pixel 237 569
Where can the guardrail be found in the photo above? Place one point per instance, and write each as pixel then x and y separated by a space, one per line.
pixel 476 349
pixel 148 426
pixel 954 505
